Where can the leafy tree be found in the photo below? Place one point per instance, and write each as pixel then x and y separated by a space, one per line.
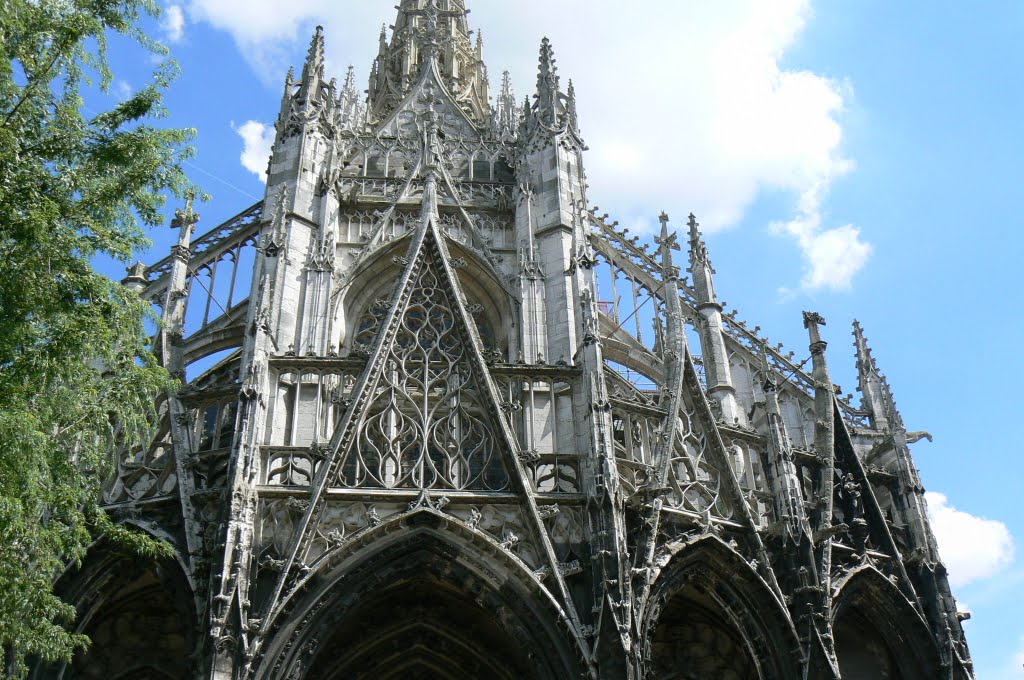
pixel 77 379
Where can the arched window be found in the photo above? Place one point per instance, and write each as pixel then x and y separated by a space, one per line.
pixel 375 165
pixel 503 172
pixel 481 169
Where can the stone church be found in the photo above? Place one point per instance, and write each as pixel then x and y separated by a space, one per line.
pixel 442 419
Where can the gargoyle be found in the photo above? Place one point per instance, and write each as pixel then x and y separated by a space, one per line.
pixel 913 437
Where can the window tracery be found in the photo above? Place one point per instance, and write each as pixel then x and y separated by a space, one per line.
pixel 427 425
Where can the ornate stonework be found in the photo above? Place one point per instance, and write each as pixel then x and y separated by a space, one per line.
pixel 456 427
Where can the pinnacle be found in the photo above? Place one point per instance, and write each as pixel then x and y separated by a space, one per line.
pixel 698 249
pixel 860 341
pixel 313 69
pixel 316 46
pixel 865 362
pixel 692 223
pixel 547 60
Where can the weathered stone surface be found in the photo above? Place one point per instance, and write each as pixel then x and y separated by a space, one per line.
pixel 458 430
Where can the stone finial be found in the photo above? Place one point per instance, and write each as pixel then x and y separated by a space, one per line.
pixel 187 217
pixel 137 279
pixel 813 319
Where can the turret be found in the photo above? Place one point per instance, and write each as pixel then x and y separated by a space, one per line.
pixel 549 192
pixel 553 148
pixel 709 327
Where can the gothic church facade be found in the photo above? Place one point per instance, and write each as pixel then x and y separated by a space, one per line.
pixel 441 419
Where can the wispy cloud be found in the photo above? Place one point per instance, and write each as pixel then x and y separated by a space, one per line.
pixel 972 548
pixel 174 23
pixel 257 141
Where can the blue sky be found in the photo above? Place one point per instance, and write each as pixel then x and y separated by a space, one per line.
pixel 859 158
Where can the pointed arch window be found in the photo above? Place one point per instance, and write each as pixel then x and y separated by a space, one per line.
pixel 481 169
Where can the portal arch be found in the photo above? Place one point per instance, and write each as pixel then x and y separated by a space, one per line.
pixel 710 615
pixel 421 592
pixel 138 613
pixel 878 633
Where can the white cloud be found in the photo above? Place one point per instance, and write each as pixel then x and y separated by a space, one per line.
pixel 687 106
pixel 257 140
pixel 972 548
pixel 174 23
pixel 832 256
pixel 123 91
pixel 1017 666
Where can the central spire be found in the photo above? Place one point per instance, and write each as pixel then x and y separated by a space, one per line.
pixel 430 32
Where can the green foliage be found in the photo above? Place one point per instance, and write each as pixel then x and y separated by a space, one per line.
pixel 77 380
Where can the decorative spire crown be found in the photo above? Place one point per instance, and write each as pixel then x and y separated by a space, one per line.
pixel 428 34
pixel 547 73
pixel 552 108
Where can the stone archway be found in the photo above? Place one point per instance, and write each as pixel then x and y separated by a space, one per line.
pixel 694 640
pixel 709 615
pixel 140 618
pixel 862 652
pixel 878 633
pixel 424 627
pixel 422 600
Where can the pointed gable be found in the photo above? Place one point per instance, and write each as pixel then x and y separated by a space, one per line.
pixel 428 422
